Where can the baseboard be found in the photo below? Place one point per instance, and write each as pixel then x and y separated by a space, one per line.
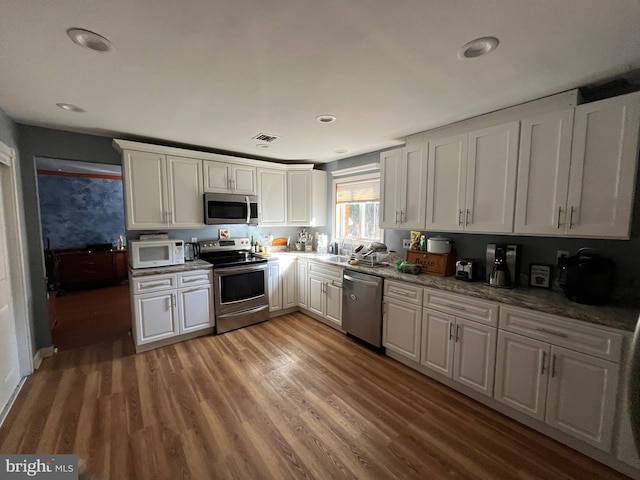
pixel 41 354
pixel 12 399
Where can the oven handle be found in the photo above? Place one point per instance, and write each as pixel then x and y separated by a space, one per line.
pixel 239 270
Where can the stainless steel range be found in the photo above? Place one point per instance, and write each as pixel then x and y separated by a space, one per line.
pixel 239 283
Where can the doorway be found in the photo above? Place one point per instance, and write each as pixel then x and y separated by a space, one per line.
pixel 83 228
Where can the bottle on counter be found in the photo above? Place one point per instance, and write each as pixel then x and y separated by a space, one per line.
pixel 423 243
pixel 253 245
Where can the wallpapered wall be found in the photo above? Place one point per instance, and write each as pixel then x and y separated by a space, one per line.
pixel 76 211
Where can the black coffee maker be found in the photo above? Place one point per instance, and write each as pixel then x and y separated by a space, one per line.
pixel 587 277
pixel 503 265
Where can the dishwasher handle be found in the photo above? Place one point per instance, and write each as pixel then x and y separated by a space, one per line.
pixel 358 280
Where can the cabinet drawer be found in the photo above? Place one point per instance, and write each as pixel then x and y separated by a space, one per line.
pixel 153 283
pixel 197 277
pixel 330 273
pixel 461 306
pixel 403 291
pixel 563 332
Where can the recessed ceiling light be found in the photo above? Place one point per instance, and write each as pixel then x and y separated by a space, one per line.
pixel 69 107
pixel 340 152
pixel 90 40
pixel 326 119
pixel 478 47
pixel 262 145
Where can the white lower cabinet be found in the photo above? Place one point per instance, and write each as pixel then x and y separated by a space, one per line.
pixel 324 293
pixel 402 319
pixel 282 284
pixel 302 269
pixel 273 282
pixel 170 305
pixel 567 389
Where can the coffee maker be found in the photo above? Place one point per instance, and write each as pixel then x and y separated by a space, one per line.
pixel 503 265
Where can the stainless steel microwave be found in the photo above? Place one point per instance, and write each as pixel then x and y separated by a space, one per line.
pixel 229 208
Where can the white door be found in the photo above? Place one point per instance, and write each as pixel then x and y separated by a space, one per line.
pixel 9 360
pixel 474 355
pixel 243 180
pixel 145 188
pixel 302 268
pixel 437 341
pixel 582 396
pixel 522 373
pixel 447 181
pixel 414 194
pixel 185 203
pixel 491 179
pixel 194 306
pixel 543 173
pixel 333 303
pixel 299 198
pixel 288 283
pixel 390 178
pixel 273 279
pixel 401 328
pixel 603 165
pixel 156 316
pixel 315 292
pixel 272 197
pixel 216 177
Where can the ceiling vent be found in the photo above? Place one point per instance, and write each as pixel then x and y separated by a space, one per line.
pixel 265 137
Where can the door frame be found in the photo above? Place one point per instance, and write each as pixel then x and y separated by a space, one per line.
pixel 19 271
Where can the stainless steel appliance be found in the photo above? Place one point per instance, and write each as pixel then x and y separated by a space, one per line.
pixel 467 269
pixel 362 306
pixel 633 387
pixel 155 253
pixel 191 251
pixel 503 265
pixel 241 296
pixel 587 277
pixel 229 209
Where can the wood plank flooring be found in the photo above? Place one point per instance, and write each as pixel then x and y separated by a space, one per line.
pixel 286 399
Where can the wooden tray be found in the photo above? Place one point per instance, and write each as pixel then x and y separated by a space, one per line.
pixel 440 264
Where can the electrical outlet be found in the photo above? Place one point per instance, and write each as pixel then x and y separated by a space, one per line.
pixel 194 239
pixel 561 253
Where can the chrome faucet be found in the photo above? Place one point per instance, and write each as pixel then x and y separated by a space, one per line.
pixel 344 240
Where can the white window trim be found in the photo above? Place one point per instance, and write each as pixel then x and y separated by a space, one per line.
pixel 347 179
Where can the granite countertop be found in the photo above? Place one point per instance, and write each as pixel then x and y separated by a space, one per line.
pixel 185 267
pixel 621 317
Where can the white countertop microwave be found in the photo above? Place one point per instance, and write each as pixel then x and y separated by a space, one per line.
pixel 155 253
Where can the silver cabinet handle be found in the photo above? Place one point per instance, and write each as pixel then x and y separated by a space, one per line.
pixel 457 307
pixel 467 217
pixel 397 216
pixel 552 332
pixel 450 331
pixel 544 359
pixel 571 217
pixel 553 365
pixel 402 219
pixel 457 333
pixel 559 212
pixel 460 217
pixel 151 285
pixel 398 292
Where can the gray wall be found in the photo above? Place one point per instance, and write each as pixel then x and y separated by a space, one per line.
pixel 44 142
pixel 8 131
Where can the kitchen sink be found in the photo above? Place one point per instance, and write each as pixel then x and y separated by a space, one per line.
pixel 337 258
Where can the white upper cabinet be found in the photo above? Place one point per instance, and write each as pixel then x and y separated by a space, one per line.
pixel 603 167
pixel 472 180
pixel 224 177
pixel 307 197
pixel 403 187
pixel 272 196
pixel 543 173
pixel 162 191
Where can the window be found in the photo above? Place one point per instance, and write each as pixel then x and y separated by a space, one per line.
pixel 357 208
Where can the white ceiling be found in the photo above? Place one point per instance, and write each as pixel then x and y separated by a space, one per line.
pixel 214 73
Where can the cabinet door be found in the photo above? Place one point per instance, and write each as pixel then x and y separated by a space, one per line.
pixel 272 197
pixel 491 179
pixel 474 355
pixel 333 303
pixel 145 187
pixel 243 180
pixel 582 396
pixel 447 182
pixel 155 316
pixel 390 178
pixel 298 198
pixel 543 173
pixel 522 373
pixel 288 283
pixel 275 294
pixel 437 341
pixel 603 165
pixel 315 292
pixel 194 305
pixel 414 187
pixel 216 177
pixel 401 328
pixel 185 205
pixel 303 268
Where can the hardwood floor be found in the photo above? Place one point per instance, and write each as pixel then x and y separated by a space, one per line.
pixel 286 399
pixel 87 317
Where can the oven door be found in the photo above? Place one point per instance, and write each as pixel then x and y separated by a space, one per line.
pixel 240 288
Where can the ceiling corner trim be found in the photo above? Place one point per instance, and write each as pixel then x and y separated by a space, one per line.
pixel 370 167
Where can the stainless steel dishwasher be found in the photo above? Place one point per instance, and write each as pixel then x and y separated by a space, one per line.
pixel 362 306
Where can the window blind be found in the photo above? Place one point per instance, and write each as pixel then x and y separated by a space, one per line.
pixel 358 191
